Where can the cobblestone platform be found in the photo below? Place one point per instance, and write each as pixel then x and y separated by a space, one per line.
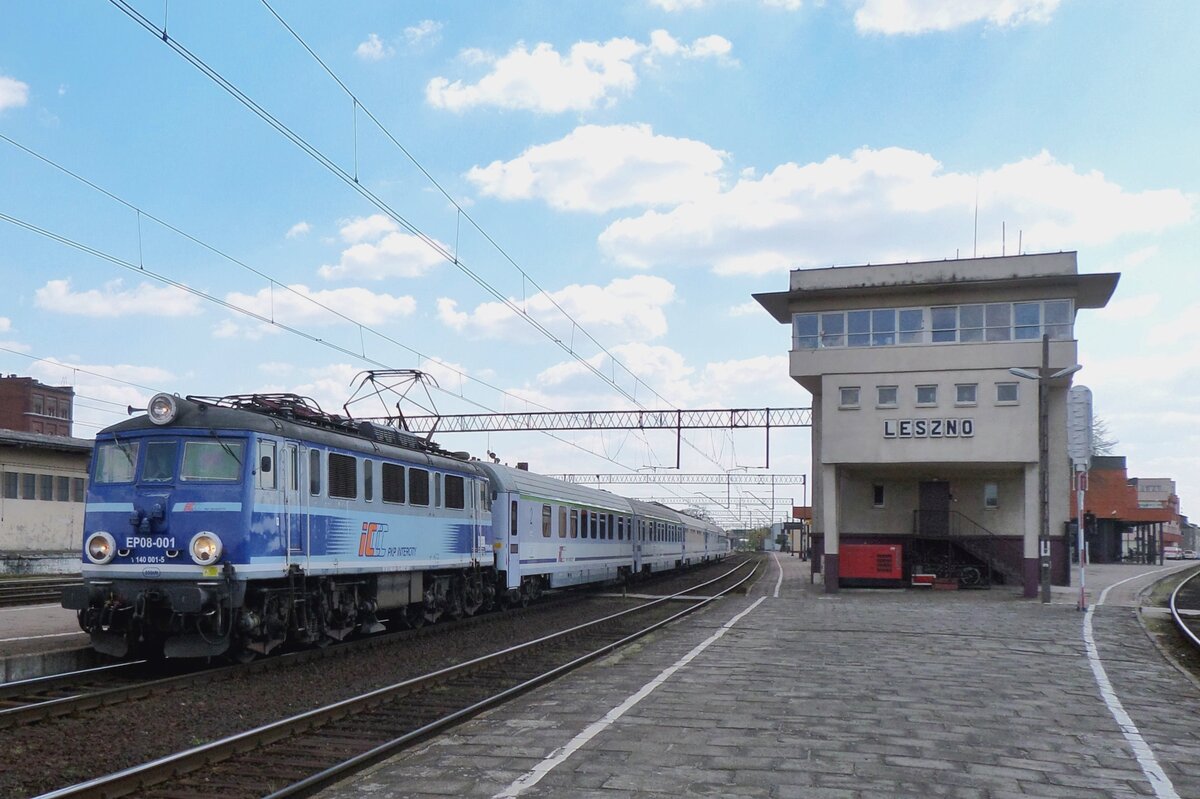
pixel 859 694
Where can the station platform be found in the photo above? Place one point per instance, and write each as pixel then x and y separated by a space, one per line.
pixel 41 639
pixel 789 692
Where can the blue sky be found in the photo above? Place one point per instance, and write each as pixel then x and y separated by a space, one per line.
pixel 626 173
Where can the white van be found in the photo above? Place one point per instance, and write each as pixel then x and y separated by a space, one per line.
pixel 1172 552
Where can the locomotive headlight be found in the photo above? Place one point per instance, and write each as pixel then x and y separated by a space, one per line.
pixel 162 409
pixel 100 547
pixel 205 548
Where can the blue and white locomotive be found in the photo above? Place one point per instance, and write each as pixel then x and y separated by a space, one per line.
pixel 229 526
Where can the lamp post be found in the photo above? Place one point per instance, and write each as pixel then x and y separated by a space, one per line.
pixel 1043 376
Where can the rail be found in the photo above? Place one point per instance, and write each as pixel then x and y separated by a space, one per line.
pixel 1180 623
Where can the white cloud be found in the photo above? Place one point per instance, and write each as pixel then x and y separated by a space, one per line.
pixel 889 205
pixel 626 309
pixel 1128 309
pixel 301 305
pixel 598 168
pixel 920 16
pixel 374 49
pixel 104 399
pixel 678 5
pixel 750 308
pixel 540 79
pixel 378 250
pixel 5 324
pixel 298 229
pixel 114 300
pixel 13 93
pixel 424 32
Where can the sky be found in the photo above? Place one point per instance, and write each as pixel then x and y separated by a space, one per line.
pixel 567 206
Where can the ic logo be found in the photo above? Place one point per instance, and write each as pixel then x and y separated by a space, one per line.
pixel 370 541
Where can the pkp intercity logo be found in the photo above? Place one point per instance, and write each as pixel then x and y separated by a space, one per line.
pixel 370 541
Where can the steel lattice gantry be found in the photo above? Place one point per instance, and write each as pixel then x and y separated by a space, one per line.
pixel 675 478
pixel 677 420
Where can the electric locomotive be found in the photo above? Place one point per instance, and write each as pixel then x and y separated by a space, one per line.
pixel 230 525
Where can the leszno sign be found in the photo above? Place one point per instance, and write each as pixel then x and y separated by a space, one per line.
pixel 928 428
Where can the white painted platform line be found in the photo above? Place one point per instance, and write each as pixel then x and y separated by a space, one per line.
pixel 30 607
pixel 35 637
pixel 778 582
pixel 558 756
pixel 1159 781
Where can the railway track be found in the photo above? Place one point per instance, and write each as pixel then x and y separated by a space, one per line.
pixel 1185 608
pixel 34 590
pixel 298 755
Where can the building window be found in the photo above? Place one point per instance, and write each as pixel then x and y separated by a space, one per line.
pixel 848 397
pixel 62 489
pixel 965 393
pixel 46 487
pixel 10 485
pixel 804 331
pixel 877 495
pixel 886 396
pixel 859 325
pixel 37 404
pixel 999 321
pixel 78 489
pixel 1056 320
pixel 991 496
pixel 926 396
pixel 1006 393
pixel 833 329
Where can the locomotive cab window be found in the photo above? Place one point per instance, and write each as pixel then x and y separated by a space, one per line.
pixel 159 464
pixel 212 460
pixel 114 462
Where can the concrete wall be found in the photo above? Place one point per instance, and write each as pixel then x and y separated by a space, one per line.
pixel 31 528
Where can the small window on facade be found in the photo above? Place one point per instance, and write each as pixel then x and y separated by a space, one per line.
pixel 964 393
pixel 314 472
pixel 266 464
pixel 51 407
pixel 1006 393
pixel 991 495
pixel 877 495
pixel 62 489
pixel 848 397
pixel 393 482
pixel 46 489
pixel 159 464
pixel 343 476
pixel 456 493
pixel 368 480
pixel 575 523
pixel 418 487
pixel 927 395
pixel 886 396
pixel 562 522
pixel 547 520
pixel 9 481
pixel 37 404
pixel 78 489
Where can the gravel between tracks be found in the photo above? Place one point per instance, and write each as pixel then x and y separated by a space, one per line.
pixel 49 755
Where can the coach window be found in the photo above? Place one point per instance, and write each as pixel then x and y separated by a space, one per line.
pixel 594 523
pixel 562 522
pixel 603 525
pixel 575 523
pixel 393 483
pixel 343 476
pixel 512 518
pixel 456 494
pixel 418 487
pixel 620 528
pixel 368 480
pixel 547 520
pixel 611 525
pixel 266 463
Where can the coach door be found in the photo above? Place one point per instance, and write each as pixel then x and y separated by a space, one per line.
pixel 294 504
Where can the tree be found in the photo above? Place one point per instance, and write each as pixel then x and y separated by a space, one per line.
pixel 1103 442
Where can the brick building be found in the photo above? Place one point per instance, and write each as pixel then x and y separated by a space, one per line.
pixel 1129 519
pixel 32 407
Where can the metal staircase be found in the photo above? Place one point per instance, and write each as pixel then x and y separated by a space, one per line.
pixel 969 537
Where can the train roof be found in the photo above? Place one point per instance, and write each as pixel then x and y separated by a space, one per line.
pixel 525 482
pixel 295 418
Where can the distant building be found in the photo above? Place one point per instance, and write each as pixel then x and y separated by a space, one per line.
pixel 1128 519
pixel 33 407
pixel 43 483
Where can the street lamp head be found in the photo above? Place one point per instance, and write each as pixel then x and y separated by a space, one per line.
pixel 1070 370
pixel 1025 373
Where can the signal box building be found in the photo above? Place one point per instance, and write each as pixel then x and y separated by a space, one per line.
pixel 926 456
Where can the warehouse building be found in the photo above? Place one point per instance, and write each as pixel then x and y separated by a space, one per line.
pixel 927 460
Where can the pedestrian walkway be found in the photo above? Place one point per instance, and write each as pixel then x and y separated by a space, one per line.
pixel 790 692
